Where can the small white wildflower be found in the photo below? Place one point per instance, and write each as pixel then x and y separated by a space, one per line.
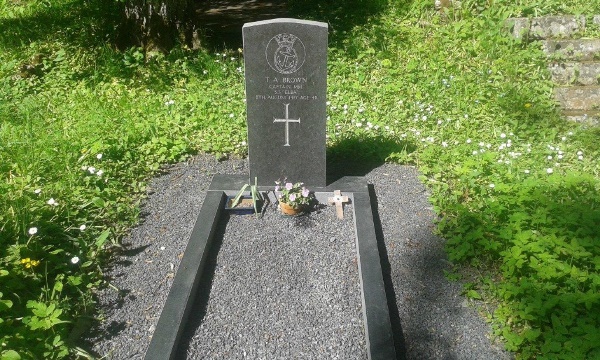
pixel 444 144
pixel 239 69
pixel 580 153
pixel 559 157
pixel 570 133
pixel 345 107
pixel 100 172
pixel 328 103
pixel 243 143
pixel 52 202
pixel 549 170
pixel 82 227
pixel 481 143
pixel 503 135
pixel 99 156
pixel 440 122
pixel 205 72
pixel 37 191
pixel 74 260
pixel 32 231
pixel 563 138
pixel 549 157
pixel 526 171
pixel 492 186
pixel 231 115
pixel 424 118
pixel 475 152
pixel 232 58
pixel 468 141
pixel 580 157
pixel 84 168
pixel 358 124
pixel 361 110
pixel 92 169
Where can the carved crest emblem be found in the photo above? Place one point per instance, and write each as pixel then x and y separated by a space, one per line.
pixel 285 53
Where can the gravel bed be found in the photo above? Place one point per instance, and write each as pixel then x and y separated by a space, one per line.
pixel 283 287
pixel 435 322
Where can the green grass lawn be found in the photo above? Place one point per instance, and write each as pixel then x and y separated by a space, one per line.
pixel 83 127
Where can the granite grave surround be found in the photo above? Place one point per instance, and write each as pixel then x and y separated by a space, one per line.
pixel 286 80
pixel 176 311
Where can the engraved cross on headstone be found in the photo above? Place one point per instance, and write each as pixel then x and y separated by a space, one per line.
pixel 339 201
pixel 287 122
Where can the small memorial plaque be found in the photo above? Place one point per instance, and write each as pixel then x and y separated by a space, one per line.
pixel 286 85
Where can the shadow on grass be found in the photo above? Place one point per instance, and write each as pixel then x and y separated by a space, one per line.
pixel 547 244
pixel 358 156
pixel 79 22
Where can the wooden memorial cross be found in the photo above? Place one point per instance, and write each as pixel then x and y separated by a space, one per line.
pixel 339 201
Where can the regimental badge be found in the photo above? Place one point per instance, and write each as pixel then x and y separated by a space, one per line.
pixel 285 53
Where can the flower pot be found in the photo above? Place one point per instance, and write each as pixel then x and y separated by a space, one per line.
pixel 287 209
pixel 244 207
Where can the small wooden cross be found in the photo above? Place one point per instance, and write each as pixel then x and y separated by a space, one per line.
pixel 339 201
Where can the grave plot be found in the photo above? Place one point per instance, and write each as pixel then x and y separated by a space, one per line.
pixel 302 310
pixel 282 287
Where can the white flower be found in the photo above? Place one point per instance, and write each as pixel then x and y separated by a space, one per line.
pixel 37 191
pixel 100 172
pixel 239 69
pixel 231 115
pixel 345 107
pixel 170 102
pixel 492 186
pixel 563 138
pixel 74 260
pixel 232 58
pixel 92 169
pixel 82 227
pixel 84 168
pixel 559 157
pixel 205 72
pixel 570 133
pixel 549 157
pixel 503 135
pixel 444 144
pixel 52 202
pixel 468 141
pixel 361 110
pixel 526 171
pixel 580 153
pixel 549 170
pixel 99 156
pixel 580 157
pixel 243 143
pixel 475 152
pixel 358 124
pixel 32 231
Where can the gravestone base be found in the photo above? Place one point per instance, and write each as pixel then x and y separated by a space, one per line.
pixel 377 324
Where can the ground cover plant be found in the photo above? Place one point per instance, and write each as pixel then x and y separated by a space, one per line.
pixel 84 126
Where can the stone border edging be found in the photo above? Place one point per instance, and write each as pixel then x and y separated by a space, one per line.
pixel 173 318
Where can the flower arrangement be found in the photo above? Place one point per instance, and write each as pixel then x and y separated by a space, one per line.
pixel 296 195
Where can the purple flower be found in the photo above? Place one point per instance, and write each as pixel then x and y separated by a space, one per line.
pixel 277 188
pixel 289 186
pixel 292 197
pixel 305 192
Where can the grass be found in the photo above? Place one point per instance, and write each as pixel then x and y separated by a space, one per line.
pixel 83 127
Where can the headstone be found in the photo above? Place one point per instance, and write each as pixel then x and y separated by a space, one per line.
pixel 286 84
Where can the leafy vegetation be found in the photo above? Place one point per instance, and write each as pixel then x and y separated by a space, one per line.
pixel 83 127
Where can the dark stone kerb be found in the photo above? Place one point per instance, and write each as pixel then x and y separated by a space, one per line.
pixel 378 329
